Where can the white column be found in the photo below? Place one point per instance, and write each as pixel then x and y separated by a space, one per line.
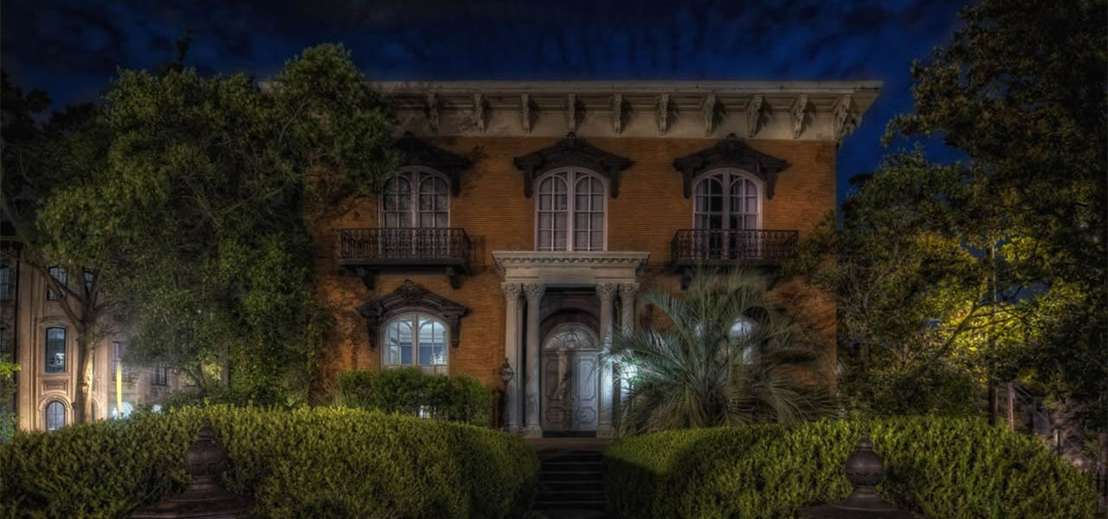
pixel 534 294
pixel 627 318
pixel 511 353
pixel 606 293
pixel 627 293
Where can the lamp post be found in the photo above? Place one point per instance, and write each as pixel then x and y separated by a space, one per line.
pixel 506 375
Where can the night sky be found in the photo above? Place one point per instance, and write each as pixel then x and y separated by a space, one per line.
pixel 72 49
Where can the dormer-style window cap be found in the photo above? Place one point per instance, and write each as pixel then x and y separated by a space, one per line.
pixel 730 152
pixel 571 152
pixel 414 151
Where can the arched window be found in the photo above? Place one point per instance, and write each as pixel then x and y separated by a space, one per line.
pixel 55 415
pixel 55 350
pixel 571 203
pixel 416 340
pixel 416 198
pixel 727 200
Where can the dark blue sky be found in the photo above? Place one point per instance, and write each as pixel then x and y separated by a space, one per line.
pixel 71 49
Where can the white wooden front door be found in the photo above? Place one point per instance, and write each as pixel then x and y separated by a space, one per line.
pixel 570 379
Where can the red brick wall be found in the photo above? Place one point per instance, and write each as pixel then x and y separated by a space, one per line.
pixel 495 214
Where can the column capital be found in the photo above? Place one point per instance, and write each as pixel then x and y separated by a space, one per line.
pixel 628 289
pixel 511 291
pixel 534 291
pixel 606 291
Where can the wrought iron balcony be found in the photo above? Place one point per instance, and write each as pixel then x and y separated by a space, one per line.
pixel 366 251
pixel 715 248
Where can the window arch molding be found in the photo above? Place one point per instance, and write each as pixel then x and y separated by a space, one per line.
pixel 730 152
pixel 411 298
pixel 734 184
pixel 415 196
pixel 571 152
pixel 585 210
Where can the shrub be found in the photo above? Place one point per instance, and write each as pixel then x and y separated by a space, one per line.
pixel 411 391
pixel 940 467
pixel 322 462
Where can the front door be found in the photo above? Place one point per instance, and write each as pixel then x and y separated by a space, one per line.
pixel 570 379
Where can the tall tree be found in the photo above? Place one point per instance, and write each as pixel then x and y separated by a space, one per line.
pixel 1003 257
pixel 205 205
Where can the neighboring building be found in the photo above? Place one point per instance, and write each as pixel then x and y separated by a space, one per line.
pixel 36 333
pixel 527 217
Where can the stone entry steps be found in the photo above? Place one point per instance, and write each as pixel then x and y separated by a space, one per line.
pixel 571 484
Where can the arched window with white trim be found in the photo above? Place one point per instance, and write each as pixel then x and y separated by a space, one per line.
pixel 416 339
pixel 727 200
pixel 571 211
pixel 55 415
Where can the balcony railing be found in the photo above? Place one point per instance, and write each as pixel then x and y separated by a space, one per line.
pixel 719 247
pixel 366 250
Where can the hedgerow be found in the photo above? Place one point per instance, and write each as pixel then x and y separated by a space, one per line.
pixel 322 462
pixel 459 398
pixel 939 467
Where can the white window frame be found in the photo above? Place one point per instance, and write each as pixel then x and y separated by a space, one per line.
pixel 415 176
pixel 572 176
pixel 729 176
pixel 416 318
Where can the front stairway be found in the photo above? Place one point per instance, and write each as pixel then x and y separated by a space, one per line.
pixel 571 484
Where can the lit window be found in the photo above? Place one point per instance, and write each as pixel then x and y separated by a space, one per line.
pixel 55 350
pixel 59 274
pixel 6 282
pixel 570 204
pixel 55 415
pixel 416 340
pixel 90 280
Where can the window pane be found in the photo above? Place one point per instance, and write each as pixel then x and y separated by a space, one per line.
pixel 55 415
pixel 398 343
pixel 544 239
pixel 55 350
pixel 432 343
pixel 581 240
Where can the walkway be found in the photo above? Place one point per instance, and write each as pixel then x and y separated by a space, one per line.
pixel 571 479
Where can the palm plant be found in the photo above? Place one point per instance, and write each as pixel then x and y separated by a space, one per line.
pixel 725 357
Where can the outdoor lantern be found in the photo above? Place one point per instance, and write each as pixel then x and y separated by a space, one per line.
pixel 506 373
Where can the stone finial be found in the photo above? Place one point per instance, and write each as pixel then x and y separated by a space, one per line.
pixel 204 497
pixel 865 471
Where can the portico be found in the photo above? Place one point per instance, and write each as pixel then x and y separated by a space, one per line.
pixel 527 278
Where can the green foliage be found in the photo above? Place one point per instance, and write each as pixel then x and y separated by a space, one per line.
pixel 329 462
pixel 8 371
pixel 941 467
pixel 411 391
pixel 694 371
pixel 202 199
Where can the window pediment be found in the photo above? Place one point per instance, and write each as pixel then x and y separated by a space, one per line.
pixel 418 152
pixel 730 153
pixel 410 297
pixel 571 152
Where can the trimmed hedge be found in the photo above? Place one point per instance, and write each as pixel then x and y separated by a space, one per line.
pixel 411 391
pixel 940 467
pixel 322 462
